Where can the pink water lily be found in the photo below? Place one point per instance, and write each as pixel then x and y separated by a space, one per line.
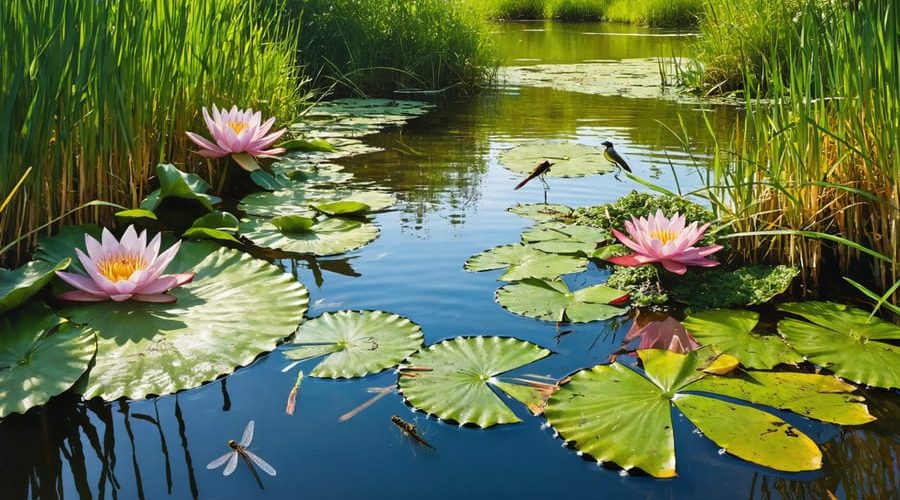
pixel 659 239
pixel 661 331
pixel 124 269
pixel 239 133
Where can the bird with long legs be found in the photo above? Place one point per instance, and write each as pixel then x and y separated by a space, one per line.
pixel 614 157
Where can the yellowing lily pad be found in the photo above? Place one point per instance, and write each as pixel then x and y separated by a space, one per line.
pixel 614 414
pixel 355 343
pixel 570 159
pixel 452 379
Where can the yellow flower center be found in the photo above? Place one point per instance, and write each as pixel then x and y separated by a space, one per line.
pixel 664 235
pixel 238 127
pixel 119 268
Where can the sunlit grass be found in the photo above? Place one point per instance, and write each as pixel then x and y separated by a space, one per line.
pixel 377 46
pixel 812 174
pixel 671 13
pixel 94 93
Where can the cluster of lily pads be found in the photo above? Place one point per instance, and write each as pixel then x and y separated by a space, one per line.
pixel 127 329
pixel 621 414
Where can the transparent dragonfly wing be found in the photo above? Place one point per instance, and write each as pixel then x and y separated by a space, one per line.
pixel 262 464
pixel 248 434
pixel 232 464
pixel 215 464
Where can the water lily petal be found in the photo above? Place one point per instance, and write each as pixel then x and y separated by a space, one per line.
pixel 674 267
pixel 209 150
pixel 151 252
pixel 81 296
pixel 83 283
pixel 121 297
pixel 160 285
pixel 159 298
pixel 182 278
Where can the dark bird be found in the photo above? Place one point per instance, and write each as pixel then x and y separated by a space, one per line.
pixel 613 157
pixel 538 171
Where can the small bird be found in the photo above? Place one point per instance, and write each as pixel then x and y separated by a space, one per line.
pixel 538 171
pixel 613 157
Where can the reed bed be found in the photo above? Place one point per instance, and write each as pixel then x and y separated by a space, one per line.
pixel 811 177
pixel 377 46
pixel 93 94
pixel 660 13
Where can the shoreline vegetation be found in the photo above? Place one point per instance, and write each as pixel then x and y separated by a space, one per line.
pixel 100 92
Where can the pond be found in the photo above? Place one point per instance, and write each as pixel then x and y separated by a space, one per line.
pixel 453 199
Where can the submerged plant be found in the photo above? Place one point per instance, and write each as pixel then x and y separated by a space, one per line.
pixel 239 133
pixel 660 239
pixel 124 269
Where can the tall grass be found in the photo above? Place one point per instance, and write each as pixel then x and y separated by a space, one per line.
pixel 94 93
pixel 377 46
pixel 813 176
pixel 661 13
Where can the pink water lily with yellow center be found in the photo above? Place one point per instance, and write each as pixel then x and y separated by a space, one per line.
pixel 124 269
pixel 239 133
pixel 660 239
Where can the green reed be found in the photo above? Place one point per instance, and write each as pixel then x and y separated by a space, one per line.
pixel 811 176
pixel 377 46
pixel 95 93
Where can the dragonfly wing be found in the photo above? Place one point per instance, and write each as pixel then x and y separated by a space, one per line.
pixel 262 464
pixel 248 434
pixel 232 465
pixel 215 464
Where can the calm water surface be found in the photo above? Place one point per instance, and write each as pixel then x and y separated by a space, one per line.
pixel 453 199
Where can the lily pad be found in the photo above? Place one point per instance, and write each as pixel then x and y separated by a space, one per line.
pixel 356 343
pixel 357 117
pixel 342 208
pixel 732 331
pixel 328 236
pixel 236 308
pixel 174 183
pixel 556 237
pixel 215 226
pixel 525 261
pixel 41 356
pixel 298 201
pixel 570 159
pixel 541 212
pixel 614 414
pixel 452 379
pixel 311 173
pixel 846 340
pixel 553 301
pixel 20 284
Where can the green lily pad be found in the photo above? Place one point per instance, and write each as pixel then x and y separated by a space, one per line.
pixel 569 159
pixel 556 237
pixel 845 340
pixel 357 117
pixel 20 284
pixel 236 308
pixel 328 236
pixel 541 212
pixel 356 343
pixel 342 208
pixel 215 226
pixel 553 301
pixel 293 224
pixel 637 78
pixel 525 261
pixel 732 331
pixel 297 144
pixel 452 379
pixel 748 285
pixel 311 173
pixel 41 356
pixel 614 414
pixel 136 213
pixel 298 201
pixel 174 183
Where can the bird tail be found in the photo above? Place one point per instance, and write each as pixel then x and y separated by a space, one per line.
pixel 625 166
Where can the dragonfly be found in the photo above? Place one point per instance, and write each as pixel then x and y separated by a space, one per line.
pixel 239 449
pixel 410 430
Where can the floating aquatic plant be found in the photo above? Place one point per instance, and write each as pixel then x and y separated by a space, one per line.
pixel 307 235
pixel 553 301
pixel 668 241
pixel 239 133
pixel 570 159
pixel 354 343
pixel 125 269
pixel 614 414
pixel 525 261
pixel 734 332
pixel 18 285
